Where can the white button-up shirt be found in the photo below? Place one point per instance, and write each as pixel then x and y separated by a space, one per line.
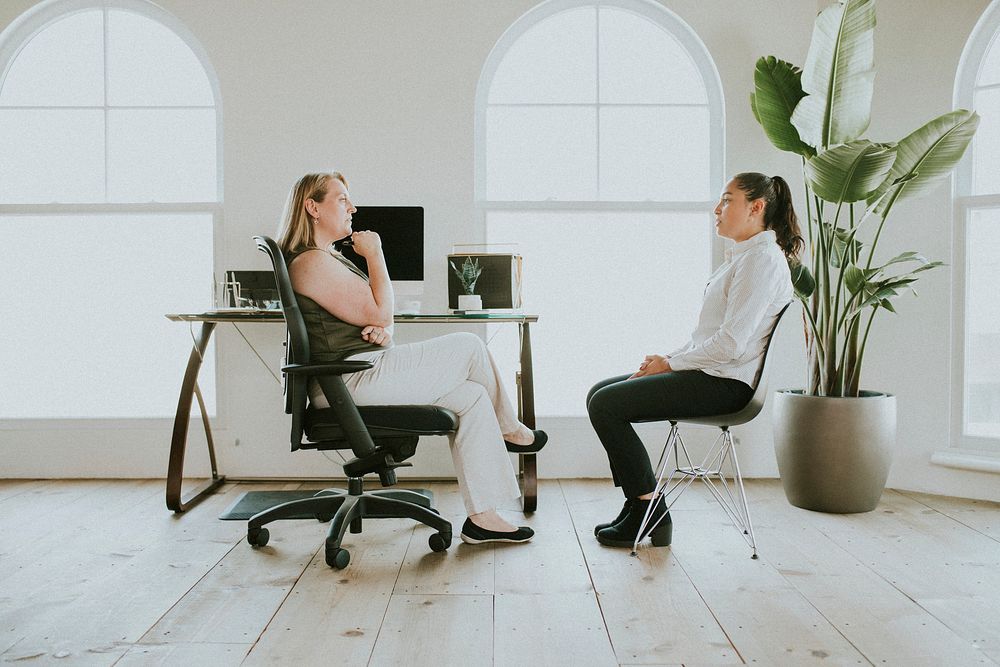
pixel 742 300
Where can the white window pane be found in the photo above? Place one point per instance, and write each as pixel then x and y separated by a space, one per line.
pixel 51 156
pixel 161 155
pixel 63 65
pixel 982 322
pixel 587 274
pixel 149 65
pixel 541 153
pixel 553 61
pixel 986 144
pixel 654 153
pixel 88 337
pixel 642 63
pixel 989 71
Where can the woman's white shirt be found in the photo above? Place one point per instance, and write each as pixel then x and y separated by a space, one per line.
pixel 742 300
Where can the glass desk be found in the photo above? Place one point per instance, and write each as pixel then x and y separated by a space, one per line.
pixel 181 502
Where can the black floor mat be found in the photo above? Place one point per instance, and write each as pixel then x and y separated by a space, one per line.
pixel 252 502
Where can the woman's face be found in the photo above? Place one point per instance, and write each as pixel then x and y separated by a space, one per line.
pixel 333 214
pixel 737 218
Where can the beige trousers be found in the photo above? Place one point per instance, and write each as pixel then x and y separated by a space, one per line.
pixel 457 372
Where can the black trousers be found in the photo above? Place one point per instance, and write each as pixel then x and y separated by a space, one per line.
pixel 614 404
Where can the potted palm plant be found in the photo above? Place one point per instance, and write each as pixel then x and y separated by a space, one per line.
pixel 834 440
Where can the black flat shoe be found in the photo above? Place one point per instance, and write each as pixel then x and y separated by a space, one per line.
pixel 623 533
pixel 473 534
pixel 621 515
pixel 541 437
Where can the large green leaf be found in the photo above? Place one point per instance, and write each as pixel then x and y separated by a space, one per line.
pixel 928 155
pixel 802 281
pixel 844 247
pixel 839 75
pixel 777 90
pixel 851 172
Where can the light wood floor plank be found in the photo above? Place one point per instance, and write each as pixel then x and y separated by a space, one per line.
pixel 948 569
pixel 652 611
pixel 765 618
pixel 882 622
pixel 208 653
pixel 461 570
pixel 981 515
pixel 552 562
pixel 433 630
pixel 550 629
pixel 235 601
pixel 99 573
pixel 337 613
pixel 111 579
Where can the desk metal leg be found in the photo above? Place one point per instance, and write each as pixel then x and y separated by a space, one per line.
pixel 527 465
pixel 178 442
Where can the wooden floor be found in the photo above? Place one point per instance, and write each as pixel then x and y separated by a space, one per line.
pixel 99 572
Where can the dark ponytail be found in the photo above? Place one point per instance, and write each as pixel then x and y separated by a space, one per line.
pixel 779 214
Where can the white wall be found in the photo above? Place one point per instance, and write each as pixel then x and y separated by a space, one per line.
pixel 383 90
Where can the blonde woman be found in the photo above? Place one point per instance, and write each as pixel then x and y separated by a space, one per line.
pixel 349 316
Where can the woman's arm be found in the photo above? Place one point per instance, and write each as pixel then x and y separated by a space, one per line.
pixel 342 293
pixel 754 286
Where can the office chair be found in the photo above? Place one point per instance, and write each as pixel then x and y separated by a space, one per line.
pixel 380 437
pixel 711 467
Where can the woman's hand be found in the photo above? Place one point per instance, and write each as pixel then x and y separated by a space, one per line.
pixel 376 335
pixel 652 365
pixel 367 244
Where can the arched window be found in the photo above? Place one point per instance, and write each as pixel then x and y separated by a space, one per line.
pixel 109 201
pixel 977 244
pixel 599 140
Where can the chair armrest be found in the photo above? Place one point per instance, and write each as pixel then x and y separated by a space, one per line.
pixel 328 368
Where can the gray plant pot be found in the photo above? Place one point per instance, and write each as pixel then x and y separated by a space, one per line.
pixel 834 454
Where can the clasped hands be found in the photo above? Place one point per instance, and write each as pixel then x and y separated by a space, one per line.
pixel 652 365
pixel 376 335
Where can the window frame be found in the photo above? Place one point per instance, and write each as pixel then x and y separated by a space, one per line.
pixel 685 35
pixel 12 40
pixel 983 36
pixel 679 30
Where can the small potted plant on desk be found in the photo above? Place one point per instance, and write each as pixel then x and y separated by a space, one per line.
pixel 834 441
pixel 467 277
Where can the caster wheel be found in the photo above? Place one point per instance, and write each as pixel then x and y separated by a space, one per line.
pixel 439 541
pixel 338 558
pixel 258 537
pixel 324 518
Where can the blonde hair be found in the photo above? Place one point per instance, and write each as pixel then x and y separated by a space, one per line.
pixel 296 231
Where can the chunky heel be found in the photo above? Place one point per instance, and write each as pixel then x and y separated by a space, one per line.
pixel 663 534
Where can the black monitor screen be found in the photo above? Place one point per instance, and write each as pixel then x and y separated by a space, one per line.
pixel 401 229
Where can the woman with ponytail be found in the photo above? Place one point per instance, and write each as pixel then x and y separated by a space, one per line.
pixel 714 372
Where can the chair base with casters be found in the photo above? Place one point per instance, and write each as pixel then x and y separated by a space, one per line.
pixel 730 493
pixel 347 509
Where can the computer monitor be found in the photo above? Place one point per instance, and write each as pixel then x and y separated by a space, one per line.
pixel 401 229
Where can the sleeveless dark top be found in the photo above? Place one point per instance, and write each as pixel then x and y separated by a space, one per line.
pixel 331 338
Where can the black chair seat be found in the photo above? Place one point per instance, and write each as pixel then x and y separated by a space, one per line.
pixel 384 420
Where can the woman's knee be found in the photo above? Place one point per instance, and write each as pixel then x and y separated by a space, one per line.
pixel 600 386
pixel 602 402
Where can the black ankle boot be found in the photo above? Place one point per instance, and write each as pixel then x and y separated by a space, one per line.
pixel 623 533
pixel 621 515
